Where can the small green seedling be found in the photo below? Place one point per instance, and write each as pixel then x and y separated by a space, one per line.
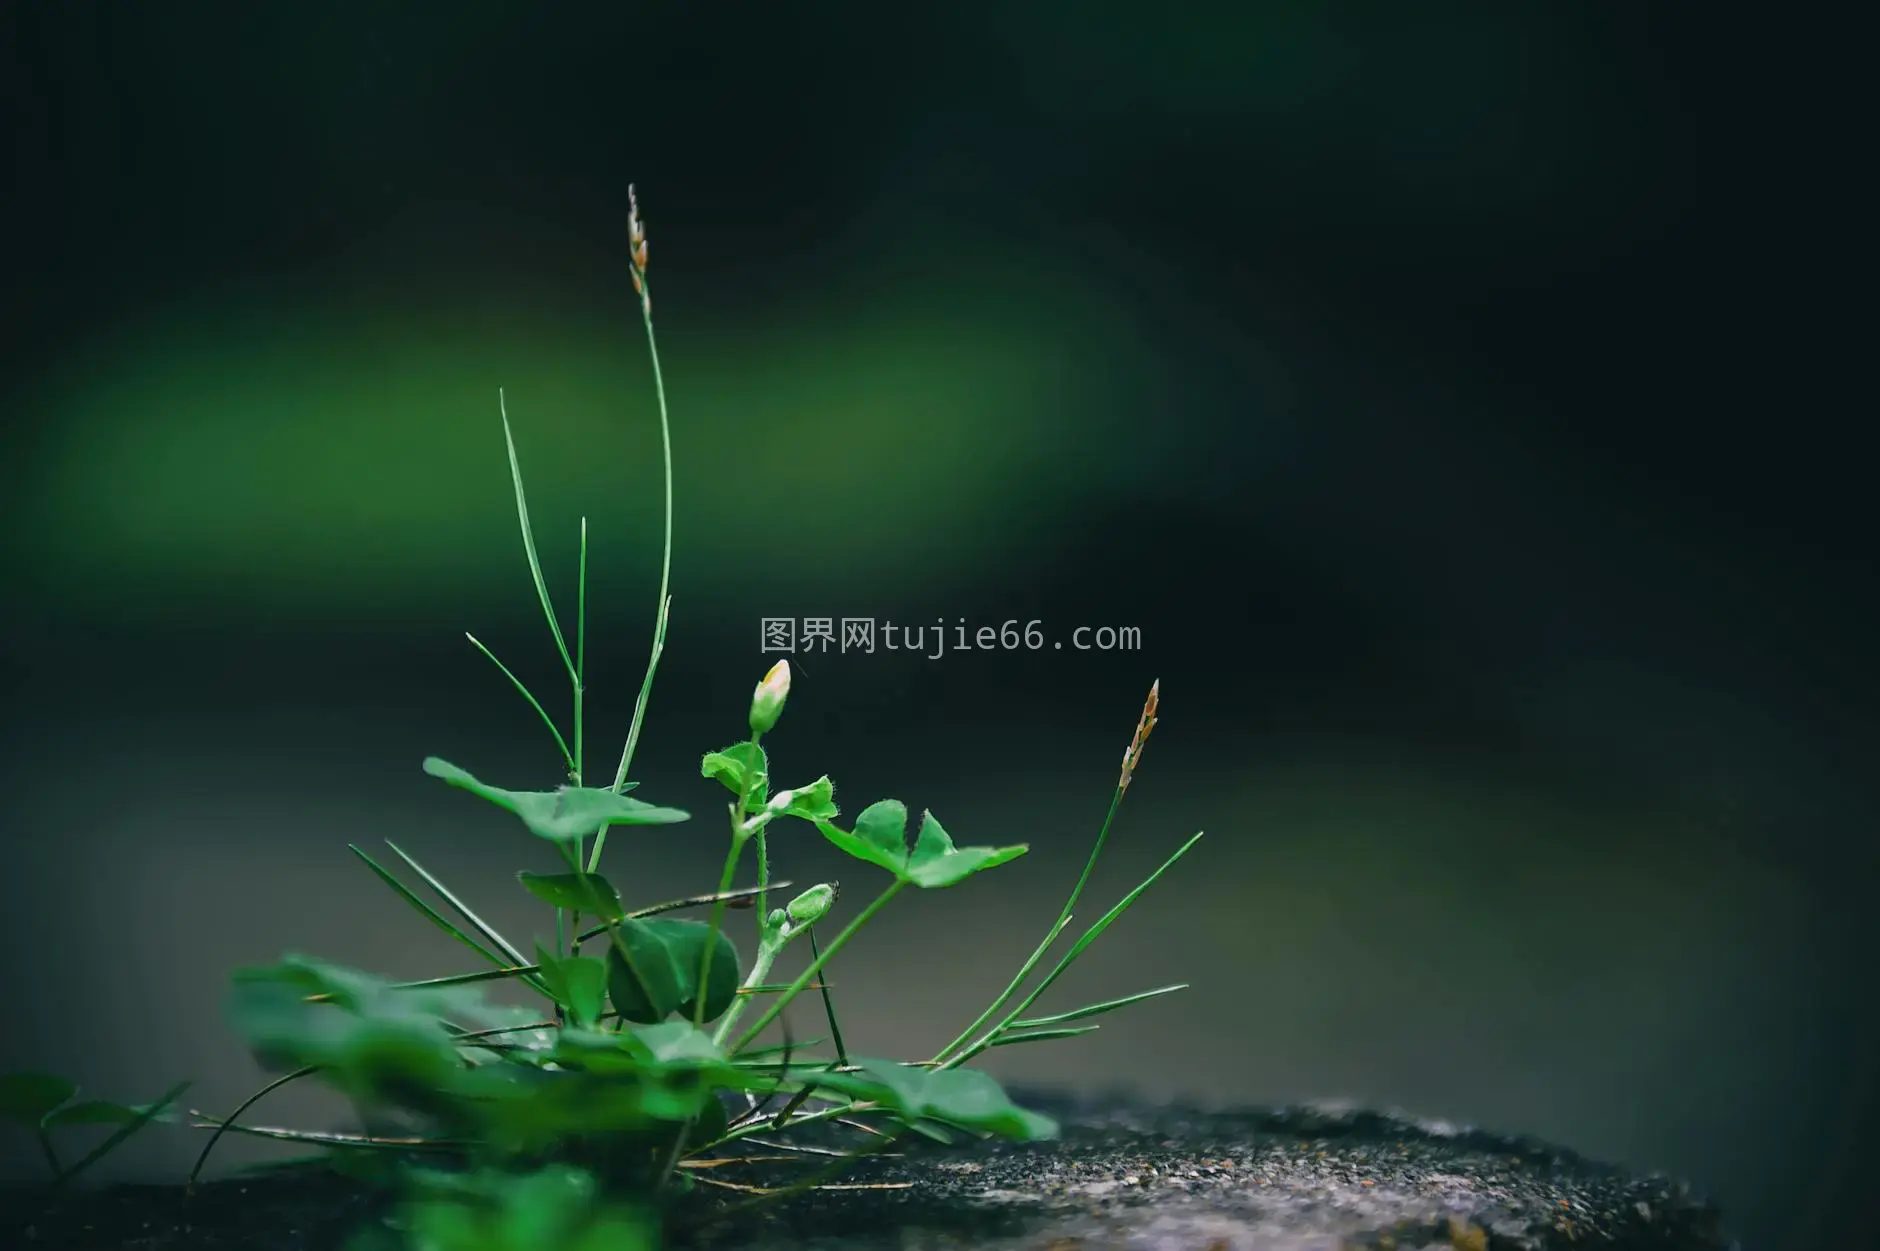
pixel 564 1125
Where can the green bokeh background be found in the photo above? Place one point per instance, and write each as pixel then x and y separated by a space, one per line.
pixel 1422 382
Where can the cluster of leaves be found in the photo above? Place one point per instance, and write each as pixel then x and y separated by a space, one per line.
pixel 511 1128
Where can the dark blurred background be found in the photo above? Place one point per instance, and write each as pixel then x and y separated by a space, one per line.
pixel 1445 394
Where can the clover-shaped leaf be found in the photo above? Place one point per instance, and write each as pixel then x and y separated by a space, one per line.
pixel 815 802
pixel 880 837
pixel 566 815
pixel 967 1098
pixel 735 766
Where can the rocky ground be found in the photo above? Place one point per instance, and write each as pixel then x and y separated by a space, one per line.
pixel 1125 1175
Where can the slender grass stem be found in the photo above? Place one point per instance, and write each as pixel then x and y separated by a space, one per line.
pixel 829 1004
pixel 234 1116
pixel 1064 918
pixel 1077 949
pixel 665 566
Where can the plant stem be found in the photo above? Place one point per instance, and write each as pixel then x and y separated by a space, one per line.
pixel 760 969
pixel 739 812
pixel 815 966
pixel 665 565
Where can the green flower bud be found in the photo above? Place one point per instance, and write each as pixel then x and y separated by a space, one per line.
pixel 776 919
pixel 813 904
pixel 767 699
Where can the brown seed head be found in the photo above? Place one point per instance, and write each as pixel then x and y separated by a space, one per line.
pixel 1132 755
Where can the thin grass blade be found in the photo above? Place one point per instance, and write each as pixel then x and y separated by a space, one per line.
pixel 203 1159
pixel 424 909
pixel 502 944
pixel 1096 1009
pixel 1070 957
pixel 124 1131
pixel 561 743
pixel 528 539
pixel 1005 996
pixel 1042 1035
pixel 329 1139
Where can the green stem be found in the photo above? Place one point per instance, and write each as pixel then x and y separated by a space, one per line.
pixel 760 969
pixel 808 975
pixel 1057 928
pixel 740 811
pixel 665 565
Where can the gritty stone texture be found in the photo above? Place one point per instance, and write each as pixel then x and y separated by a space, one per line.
pixel 1135 1177
pixel 1125 1175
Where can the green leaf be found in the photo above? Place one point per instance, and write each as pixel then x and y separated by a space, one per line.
pixel 578 983
pixel 815 802
pixel 1096 1009
pixel 735 765
pixel 566 815
pixel 644 983
pixel 587 893
pixel 28 1098
pixel 880 837
pixel 668 955
pixel 967 1098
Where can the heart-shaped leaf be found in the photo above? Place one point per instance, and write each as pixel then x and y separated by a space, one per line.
pixel 566 815
pixel 589 893
pixel 880 837
pixel 967 1098
pixel 737 764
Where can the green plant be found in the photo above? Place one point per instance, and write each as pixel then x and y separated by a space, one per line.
pixel 512 1128
pixel 41 1103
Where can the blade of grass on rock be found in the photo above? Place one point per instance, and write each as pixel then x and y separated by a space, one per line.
pixel 1090 936
pixel 1096 1009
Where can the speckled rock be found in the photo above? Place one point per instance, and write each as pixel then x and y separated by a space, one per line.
pixel 1134 1177
pixel 1124 1176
